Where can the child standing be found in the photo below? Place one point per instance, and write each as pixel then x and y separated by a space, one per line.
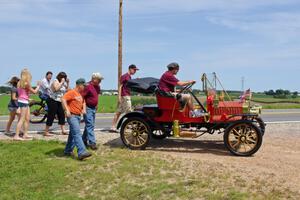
pixel 13 104
pixel 24 90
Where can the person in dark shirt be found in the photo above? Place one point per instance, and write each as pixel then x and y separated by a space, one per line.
pixel 124 99
pixel 91 95
pixel 168 82
pixel 13 104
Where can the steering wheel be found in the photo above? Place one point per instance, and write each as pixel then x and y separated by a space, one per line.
pixel 187 87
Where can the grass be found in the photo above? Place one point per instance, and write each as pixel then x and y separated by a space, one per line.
pixel 108 104
pixel 38 170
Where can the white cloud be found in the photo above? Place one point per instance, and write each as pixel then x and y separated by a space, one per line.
pixel 55 13
pixel 279 26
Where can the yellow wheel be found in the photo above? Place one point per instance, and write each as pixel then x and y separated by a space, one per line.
pixel 243 138
pixel 135 133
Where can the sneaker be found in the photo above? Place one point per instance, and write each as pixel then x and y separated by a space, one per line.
pixel 93 147
pixel 84 156
pixel 9 134
pixel 197 113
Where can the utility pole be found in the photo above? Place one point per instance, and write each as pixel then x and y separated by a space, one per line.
pixel 243 84
pixel 120 54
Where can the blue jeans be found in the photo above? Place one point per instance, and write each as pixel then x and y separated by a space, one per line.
pixel 89 119
pixel 75 138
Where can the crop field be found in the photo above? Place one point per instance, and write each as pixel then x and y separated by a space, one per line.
pixel 107 104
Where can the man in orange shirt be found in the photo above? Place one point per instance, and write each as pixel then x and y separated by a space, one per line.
pixel 74 106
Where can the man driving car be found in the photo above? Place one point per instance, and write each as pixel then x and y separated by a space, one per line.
pixel 168 82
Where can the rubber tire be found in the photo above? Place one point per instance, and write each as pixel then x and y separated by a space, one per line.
pixel 262 125
pixel 247 154
pixel 127 121
pixel 42 119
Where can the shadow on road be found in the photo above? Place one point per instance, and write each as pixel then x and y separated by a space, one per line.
pixel 215 147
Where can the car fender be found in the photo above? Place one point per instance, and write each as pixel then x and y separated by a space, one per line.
pixel 131 114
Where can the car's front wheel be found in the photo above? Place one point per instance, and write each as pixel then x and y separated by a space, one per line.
pixel 243 138
pixel 135 133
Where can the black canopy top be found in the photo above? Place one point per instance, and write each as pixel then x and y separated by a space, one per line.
pixel 146 85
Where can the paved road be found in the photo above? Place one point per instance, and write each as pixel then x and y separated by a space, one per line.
pixel 282 115
pixel 103 121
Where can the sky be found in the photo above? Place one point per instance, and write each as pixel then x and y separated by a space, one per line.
pixel 257 40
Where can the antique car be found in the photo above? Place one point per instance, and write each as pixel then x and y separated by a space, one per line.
pixel 238 120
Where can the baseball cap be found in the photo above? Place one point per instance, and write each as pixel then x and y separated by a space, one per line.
pixel 81 81
pixel 173 65
pixel 97 75
pixel 133 67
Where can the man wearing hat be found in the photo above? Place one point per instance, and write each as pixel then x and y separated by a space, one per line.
pixel 124 100
pixel 168 82
pixel 74 106
pixel 91 95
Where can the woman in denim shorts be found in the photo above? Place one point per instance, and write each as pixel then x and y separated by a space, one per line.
pixel 13 104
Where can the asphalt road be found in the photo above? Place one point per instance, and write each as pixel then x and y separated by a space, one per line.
pixel 103 121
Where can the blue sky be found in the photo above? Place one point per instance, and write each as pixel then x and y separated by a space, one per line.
pixel 258 40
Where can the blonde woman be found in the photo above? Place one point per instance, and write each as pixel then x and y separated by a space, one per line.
pixel 24 90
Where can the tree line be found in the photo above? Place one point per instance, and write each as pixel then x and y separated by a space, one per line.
pixel 282 94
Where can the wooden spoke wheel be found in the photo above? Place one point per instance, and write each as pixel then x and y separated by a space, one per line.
pixel 135 133
pixel 243 138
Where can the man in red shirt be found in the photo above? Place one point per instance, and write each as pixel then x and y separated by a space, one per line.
pixel 91 95
pixel 124 99
pixel 168 82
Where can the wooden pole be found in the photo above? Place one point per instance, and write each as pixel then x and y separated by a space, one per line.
pixel 120 54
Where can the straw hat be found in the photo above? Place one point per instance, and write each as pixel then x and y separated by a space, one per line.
pixel 97 75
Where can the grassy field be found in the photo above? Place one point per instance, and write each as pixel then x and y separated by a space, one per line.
pixel 42 172
pixel 108 104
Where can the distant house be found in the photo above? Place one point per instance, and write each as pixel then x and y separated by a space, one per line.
pixel 107 94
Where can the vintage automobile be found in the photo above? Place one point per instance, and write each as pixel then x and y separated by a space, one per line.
pixel 238 120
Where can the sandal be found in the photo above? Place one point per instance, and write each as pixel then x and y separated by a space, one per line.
pixel 27 137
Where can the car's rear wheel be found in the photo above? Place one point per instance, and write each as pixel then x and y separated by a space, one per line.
pixel 243 138
pixel 135 133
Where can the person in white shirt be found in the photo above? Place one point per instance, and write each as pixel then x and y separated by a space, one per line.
pixel 45 88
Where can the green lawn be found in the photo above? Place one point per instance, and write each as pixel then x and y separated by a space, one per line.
pixel 37 170
pixel 107 104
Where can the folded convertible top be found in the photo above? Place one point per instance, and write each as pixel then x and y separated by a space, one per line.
pixel 146 85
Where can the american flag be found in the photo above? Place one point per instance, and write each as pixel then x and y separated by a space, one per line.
pixel 246 94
